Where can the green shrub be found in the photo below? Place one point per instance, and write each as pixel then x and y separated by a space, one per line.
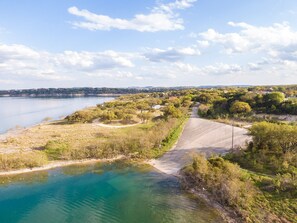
pixel 172 111
pixel 239 107
pixel 224 180
pixel 84 116
pixel 254 197
pixel 57 150
pixel 273 149
pixel 204 110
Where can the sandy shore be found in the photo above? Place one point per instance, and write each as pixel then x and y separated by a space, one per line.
pixel 55 164
pixel 18 131
pixel 11 133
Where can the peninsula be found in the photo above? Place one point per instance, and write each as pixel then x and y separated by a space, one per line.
pixel 247 170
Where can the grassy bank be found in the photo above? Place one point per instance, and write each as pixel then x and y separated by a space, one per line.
pixel 171 139
pixel 22 160
pixel 78 137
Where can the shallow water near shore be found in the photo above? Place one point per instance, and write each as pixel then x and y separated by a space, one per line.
pixel 26 111
pixel 108 193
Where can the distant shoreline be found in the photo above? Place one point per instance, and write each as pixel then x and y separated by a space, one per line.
pixel 81 91
pixel 59 95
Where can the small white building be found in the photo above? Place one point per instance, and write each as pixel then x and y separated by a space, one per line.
pixel 156 107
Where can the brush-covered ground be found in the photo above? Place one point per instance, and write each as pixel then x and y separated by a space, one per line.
pixel 255 184
pixel 151 124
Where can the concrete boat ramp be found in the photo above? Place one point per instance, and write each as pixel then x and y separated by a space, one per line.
pixel 199 136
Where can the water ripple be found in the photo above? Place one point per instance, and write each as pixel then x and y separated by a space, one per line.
pixel 123 195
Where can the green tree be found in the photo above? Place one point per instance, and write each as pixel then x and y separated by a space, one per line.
pixel 145 116
pixel 108 116
pixel 171 111
pixel 275 137
pixel 240 107
pixel 142 105
pixel 274 98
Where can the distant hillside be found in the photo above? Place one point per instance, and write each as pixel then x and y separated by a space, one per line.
pixel 72 92
pixel 289 90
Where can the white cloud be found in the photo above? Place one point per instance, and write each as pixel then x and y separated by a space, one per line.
pixel 92 60
pixel 187 68
pixel 180 70
pixel 23 61
pixel 203 43
pixel 221 69
pixel 254 66
pixel 276 66
pixel 276 43
pixel 118 74
pixel 16 51
pixel 232 42
pixel 161 18
pixel 275 62
pixel 253 38
pixel 170 54
pixel 178 4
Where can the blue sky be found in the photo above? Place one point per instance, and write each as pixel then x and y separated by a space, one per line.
pixel 121 43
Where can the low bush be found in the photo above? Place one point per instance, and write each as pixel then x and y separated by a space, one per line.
pixel 57 150
pixel 22 160
pixel 273 149
pixel 224 180
pixel 83 116
pixel 254 197
pixel 151 138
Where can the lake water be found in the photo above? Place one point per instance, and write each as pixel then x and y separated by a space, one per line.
pixel 25 112
pixel 99 193
pixel 104 193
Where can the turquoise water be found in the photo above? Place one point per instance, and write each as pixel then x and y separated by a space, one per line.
pixel 24 111
pixel 98 194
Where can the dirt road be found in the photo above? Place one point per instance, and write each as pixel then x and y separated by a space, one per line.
pixel 199 135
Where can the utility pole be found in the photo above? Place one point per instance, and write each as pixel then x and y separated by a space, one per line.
pixel 233 134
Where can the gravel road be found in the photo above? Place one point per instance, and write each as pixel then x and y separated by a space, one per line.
pixel 199 136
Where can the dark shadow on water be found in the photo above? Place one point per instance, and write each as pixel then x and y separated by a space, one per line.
pixel 27 179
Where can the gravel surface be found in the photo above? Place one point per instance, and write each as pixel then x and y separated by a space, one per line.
pixel 199 136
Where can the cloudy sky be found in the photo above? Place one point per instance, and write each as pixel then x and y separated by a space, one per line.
pixel 122 43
